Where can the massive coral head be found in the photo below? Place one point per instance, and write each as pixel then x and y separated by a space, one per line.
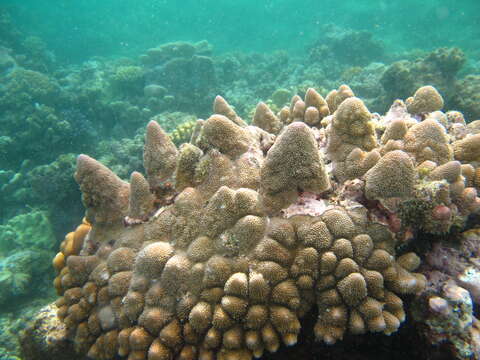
pixel 228 242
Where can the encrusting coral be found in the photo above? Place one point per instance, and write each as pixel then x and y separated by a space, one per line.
pixel 230 240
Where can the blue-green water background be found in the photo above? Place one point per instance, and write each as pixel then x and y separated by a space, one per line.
pixel 76 30
pixel 78 85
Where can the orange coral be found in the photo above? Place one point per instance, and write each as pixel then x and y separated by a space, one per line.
pixel 72 245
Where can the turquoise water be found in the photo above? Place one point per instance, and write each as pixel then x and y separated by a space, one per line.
pixel 76 30
pixel 86 76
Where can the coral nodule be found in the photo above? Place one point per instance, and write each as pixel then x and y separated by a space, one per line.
pixel 232 238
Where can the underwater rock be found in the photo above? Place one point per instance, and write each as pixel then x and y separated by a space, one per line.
pixel 437 68
pixel 450 322
pixel 250 231
pixel 353 47
pixel 185 70
pixel 128 80
pixel 46 338
pixel 467 96
pixel 445 309
pixel 29 231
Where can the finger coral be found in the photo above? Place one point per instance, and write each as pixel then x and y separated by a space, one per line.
pixel 229 241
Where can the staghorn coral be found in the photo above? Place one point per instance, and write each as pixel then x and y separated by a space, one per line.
pixel 251 232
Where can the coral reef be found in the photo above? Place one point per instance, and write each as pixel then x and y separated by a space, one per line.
pixel 128 80
pixel 451 320
pixel 36 344
pixel 446 308
pixel 467 96
pixel 231 239
pixel 350 46
pixel 185 70
pixel 343 161
pixel 12 323
pixel 437 68
pixel 26 243
pixel 27 231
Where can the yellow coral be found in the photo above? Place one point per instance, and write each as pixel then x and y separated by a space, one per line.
pixel 426 99
pixel 72 245
pixel 183 132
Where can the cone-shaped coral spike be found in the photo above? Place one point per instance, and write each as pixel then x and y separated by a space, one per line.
pixel 292 164
pixel 336 97
pixel 159 155
pixel 313 98
pixel 222 134
pixel 392 176
pixel 141 199
pixel 221 107
pixel 104 194
pixel 264 118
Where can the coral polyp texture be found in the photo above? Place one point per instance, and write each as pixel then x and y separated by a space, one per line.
pixel 230 240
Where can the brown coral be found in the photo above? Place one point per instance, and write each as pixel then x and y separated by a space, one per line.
pixel 336 97
pixel 234 237
pixel 210 275
pixel 467 149
pixel 392 176
pixel 72 245
pixel 351 136
pixel 428 140
pixel 292 164
pixel 426 99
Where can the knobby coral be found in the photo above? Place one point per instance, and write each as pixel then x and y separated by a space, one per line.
pixel 232 238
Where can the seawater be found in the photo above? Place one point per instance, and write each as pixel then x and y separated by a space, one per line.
pixel 72 80
pixel 76 30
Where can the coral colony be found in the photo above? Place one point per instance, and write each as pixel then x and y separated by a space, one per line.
pixel 227 242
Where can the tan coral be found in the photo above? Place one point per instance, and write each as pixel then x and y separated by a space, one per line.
pixel 159 156
pixel 72 245
pixel 104 194
pixel 264 118
pixel 311 111
pixel 351 129
pixel 428 140
pixel 336 97
pixel 467 149
pixel 221 107
pixel 314 100
pixel 476 180
pixel 449 171
pixel 292 163
pixel 215 270
pixel 396 130
pixel 141 199
pixel 426 99
pixel 223 134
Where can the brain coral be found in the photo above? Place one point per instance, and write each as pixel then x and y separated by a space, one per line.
pixel 232 238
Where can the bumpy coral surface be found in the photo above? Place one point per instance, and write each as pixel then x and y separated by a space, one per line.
pixel 232 238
